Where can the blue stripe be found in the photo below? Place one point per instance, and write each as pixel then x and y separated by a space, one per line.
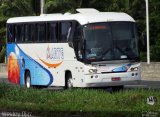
pixel 49 73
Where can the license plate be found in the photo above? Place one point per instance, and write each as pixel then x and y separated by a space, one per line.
pixel 116 78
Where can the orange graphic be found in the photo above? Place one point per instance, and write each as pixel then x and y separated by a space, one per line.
pixel 13 69
pixel 51 65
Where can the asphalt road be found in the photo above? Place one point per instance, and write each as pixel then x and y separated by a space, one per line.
pixel 143 84
pixel 146 84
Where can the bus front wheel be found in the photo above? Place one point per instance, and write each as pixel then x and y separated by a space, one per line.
pixel 27 80
pixel 69 81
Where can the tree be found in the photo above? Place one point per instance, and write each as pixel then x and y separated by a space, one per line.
pixel 12 8
pixel 135 8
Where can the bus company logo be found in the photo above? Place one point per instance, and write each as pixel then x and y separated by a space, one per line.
pixel 54 53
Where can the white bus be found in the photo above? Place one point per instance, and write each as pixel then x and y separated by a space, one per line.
pixel 86 49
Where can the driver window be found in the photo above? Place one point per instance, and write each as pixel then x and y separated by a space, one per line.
pixel 65 30
pixel 77 41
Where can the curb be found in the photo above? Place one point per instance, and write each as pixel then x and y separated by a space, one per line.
pixel 3 68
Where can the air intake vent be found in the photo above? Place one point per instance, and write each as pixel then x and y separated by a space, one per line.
pixel 87 10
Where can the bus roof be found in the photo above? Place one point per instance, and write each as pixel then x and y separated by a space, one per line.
pixel 84 16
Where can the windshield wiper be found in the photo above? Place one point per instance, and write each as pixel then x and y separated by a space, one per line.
pixel 105 52
pixel 128 56
pixel 120 50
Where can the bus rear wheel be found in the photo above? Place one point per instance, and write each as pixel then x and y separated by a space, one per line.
pixel 69 81
pixel 27 80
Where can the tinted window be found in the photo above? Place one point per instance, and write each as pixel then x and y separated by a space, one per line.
pixel 19 33
pixel 10 33
pixel 65 30
pixel 52 32
pixel 41 32
pixel 77 40
pixel 77 32
pixel 33 33
pixel 27 33
pixel 111 41
pixel 22 33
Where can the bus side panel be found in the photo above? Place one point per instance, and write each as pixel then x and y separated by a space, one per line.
pixel 39 74
pixel 19 61
pixel 46 62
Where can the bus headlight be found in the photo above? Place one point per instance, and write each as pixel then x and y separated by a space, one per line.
pixel 92 70
pixel 134 69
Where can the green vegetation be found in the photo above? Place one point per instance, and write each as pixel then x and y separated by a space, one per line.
pixel 135 8
pixel 2 54
pixel 46 102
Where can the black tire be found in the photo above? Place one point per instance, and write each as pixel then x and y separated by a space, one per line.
pixel 28 80
pixel 68 82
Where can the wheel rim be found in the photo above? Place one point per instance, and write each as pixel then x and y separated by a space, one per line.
pixel 28 82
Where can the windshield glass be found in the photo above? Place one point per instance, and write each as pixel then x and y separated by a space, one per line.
pixel 111 41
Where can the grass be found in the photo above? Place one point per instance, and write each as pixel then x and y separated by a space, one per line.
pixel 78 101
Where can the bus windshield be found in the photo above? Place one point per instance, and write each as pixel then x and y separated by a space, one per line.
pixel 111 41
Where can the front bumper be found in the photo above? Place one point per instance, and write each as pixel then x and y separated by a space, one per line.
pixel 106 84
pixel 104 80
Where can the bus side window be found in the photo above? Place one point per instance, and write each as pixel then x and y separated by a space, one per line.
pixel 77 41
pixel 27 33
pixel 22 33
pixel 65 30
pixel 77 32
pixel 10 33
pixel 19 33
pixel 33 33
pixel 41 32
pixel 52 32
